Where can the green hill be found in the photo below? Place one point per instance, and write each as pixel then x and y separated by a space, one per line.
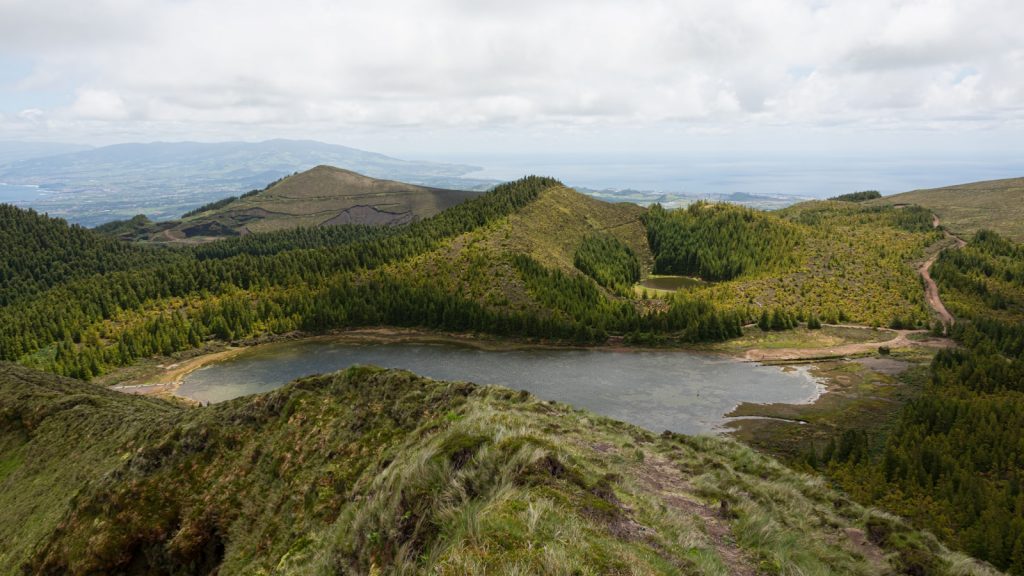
pixel 322 196
pixel 996 205
pixel 383 472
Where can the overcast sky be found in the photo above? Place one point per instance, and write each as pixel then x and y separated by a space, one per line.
pixel 442 77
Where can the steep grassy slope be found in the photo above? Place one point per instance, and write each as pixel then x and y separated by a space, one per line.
pixel 56 437
pixel 382 472
pixel 322 196
pixel 964 209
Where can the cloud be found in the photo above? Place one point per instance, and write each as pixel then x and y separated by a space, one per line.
pixel 31 115
pixel 99 105
pixel 237 68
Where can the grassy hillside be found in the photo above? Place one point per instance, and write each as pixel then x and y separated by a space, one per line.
pixel 850 263
pixel 322 196
pixel 964 209
pixel 383 472
pixel 480 264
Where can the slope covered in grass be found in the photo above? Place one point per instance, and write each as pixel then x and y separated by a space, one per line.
pixel 383 472
pixel 322 196
pixel 481 264
pixel 996 205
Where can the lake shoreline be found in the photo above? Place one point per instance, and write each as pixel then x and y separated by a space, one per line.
pixel 163 379
pixel 659 389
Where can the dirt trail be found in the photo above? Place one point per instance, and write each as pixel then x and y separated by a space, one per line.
pixel 661 477
pixel 931 290
pixel 900 340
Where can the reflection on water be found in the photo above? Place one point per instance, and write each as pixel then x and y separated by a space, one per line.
pixel 672 283
pixel 660 390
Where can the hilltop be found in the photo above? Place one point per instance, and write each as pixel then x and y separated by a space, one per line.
pixel 486 264
pixel 964 209
pixel 321 196
pixel 383 472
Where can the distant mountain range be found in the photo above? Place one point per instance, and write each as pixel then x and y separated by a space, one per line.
pixel 17 151
pixel 164 180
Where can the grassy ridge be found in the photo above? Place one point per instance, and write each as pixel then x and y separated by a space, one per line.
pixel 996 205
pixel 321 196
pixel 371 471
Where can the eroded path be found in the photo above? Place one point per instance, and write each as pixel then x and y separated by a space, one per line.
pixel 931 290
pixel 901 339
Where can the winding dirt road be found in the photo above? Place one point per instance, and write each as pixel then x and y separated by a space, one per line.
pixel 901 339
pixel 931 290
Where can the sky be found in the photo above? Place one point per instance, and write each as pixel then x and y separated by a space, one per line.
pixel 458 78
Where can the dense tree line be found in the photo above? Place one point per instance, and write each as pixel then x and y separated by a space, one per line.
pixel 38 252
pixel 858 196
pixel 608 261
pixel 778 319
pixel 955 461
pixel 690 318
pixel 571 307
pixel 718 241
pixel 687 319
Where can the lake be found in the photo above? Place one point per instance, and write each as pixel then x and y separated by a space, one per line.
pixel 671 283
pixel 682 391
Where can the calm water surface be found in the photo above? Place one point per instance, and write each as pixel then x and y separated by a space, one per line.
pixel 19 195
pixel 664 390
pixel 672 282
